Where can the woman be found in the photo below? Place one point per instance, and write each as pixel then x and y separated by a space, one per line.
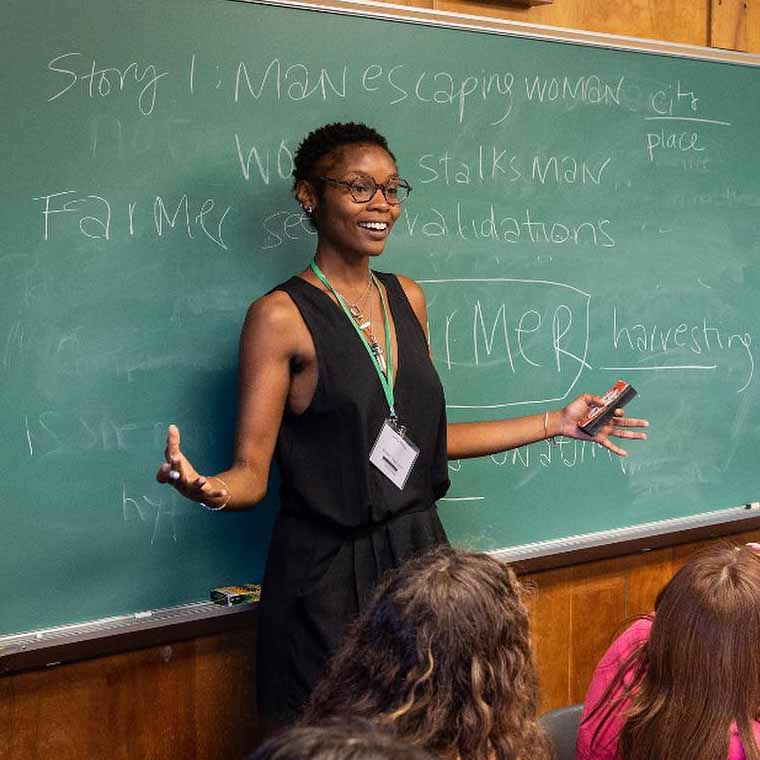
pixel 684 682
pixel 441 656
pixel 339 740
pixel 335 372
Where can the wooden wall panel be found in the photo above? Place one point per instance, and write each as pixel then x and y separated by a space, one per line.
pixel 728 24
pixel 193 700
pixel 649 572
pixel 671 20
pixel 577 612
pixel 549 607
pixel 597 605
pixel 225 689
pixel 753 26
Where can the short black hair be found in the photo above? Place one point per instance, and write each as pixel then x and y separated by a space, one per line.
pixel 353 740
pixel 328 139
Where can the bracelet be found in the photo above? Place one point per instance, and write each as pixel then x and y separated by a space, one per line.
pixel 552 439
pixel 221 507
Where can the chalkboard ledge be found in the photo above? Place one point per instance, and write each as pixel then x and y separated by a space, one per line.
pixel 572 550
pixel 114 635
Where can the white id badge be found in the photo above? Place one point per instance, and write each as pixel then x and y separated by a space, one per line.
pixel 394 455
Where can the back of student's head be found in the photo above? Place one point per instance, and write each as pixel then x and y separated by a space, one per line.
pixel 352 740
pixel 442 656
pixel 700 669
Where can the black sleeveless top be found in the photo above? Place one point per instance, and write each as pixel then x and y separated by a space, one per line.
pixel 342 523
pixel 323 454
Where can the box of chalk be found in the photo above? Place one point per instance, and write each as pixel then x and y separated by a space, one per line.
pixel 615 398
pixel 239 594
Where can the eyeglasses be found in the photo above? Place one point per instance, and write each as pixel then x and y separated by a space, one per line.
pixel 395 191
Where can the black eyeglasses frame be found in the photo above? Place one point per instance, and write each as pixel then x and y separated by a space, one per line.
pixel 381 186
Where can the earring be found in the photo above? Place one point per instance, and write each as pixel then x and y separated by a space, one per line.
pixel 308 209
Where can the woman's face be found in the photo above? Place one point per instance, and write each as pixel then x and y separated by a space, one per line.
pixel 350 227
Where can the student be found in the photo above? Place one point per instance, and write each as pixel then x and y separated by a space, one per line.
pixel 354 740
pixel 331 362
pixel 441 656
pixel 685 681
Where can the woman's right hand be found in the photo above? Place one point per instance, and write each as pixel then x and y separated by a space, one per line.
pixel 178 472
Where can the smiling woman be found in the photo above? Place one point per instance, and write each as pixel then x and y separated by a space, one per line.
pixel 336 379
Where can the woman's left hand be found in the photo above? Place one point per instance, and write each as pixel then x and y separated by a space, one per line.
pixel 617 425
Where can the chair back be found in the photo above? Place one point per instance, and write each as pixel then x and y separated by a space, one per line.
pixel 561 727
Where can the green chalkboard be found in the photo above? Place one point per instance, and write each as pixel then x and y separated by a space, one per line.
pixel 579 214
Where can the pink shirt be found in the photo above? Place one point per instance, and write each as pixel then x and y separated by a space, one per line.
pixel 605 747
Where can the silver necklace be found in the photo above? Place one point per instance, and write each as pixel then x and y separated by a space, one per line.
pixel 355 307
pixel 365 325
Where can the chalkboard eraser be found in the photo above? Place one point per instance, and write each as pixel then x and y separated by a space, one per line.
pixel 617 396
pixel 240 594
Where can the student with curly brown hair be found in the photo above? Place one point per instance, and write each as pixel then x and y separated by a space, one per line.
pixel 685 681
pixel 442 657
pixel 336 375
pixel 338 740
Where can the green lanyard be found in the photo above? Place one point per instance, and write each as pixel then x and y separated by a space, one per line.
pixel 385 382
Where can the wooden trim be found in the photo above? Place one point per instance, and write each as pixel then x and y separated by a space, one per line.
pixel 43 649
pixel 635 546
pixel 492 25
pixel 633 535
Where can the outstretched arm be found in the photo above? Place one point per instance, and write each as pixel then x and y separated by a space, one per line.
pixel 267 344
pixel 475 439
